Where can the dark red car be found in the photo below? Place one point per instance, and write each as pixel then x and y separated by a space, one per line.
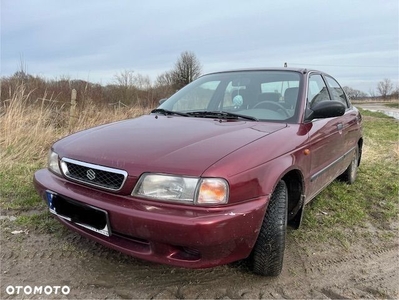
pixel 214 174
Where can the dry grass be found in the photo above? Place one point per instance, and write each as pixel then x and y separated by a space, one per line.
pixel 381 138
pixel 28 127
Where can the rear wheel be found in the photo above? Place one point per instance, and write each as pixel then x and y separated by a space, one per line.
pixel 350 174
pixel 268 252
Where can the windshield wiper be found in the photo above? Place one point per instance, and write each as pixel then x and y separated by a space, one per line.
pixel 221 115
pixel 168 112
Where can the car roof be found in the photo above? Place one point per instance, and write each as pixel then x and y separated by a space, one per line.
pixel 299 70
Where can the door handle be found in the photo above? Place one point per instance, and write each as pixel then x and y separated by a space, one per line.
pixel 340 126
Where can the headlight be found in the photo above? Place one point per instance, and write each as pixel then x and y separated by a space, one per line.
pixel 164 187
pixel 203 191
pixel 53 162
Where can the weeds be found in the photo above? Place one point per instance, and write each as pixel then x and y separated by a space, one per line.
pixel 42 222
pixel 28 128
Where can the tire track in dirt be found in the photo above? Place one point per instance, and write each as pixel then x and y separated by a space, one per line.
pixel 93 271
pixel 357 275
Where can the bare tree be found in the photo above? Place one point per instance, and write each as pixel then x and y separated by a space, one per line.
pixel 353 93
pixel 126 92
pixel 144 90
pixel 187 68
pixel 125 78
pixel 164 86
pixel 142 82
pixel 395 93
pixel 385 88
pixel 372 93
pixel 165 79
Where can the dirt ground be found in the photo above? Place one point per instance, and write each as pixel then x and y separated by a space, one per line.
pixel 380 107
pixel 367 269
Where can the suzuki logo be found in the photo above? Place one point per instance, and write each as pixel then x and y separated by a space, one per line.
pixel 90 174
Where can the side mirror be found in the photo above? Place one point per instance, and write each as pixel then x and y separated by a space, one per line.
pixel 162 100
pixel 325 109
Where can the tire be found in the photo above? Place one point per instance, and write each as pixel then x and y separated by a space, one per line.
pixel 268 252
pixel 350 174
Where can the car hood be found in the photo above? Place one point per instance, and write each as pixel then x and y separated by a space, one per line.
pixel 164 144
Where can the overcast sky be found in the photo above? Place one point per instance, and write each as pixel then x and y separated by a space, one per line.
pixel 355 41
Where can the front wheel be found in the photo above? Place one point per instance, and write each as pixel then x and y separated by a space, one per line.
pixel 268 252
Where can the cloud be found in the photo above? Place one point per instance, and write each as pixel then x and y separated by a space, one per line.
pixel 101 38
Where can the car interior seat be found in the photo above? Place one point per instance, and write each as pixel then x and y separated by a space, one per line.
pixel 291 97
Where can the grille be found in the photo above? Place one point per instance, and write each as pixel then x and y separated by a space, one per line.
pixel 95 175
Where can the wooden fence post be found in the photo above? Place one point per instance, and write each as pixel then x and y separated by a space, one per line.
pixel 72 112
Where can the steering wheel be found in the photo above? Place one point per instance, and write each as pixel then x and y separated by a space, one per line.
pixel 271 103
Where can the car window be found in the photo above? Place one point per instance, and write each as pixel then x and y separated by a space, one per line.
pixel 199 98
pixel 278 87
pixel 317 90
pixel 265 95
pixel 233 96
pixel 337 92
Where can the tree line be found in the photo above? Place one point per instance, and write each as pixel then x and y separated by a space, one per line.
pixel 134 89
pixel 128 89
pixel 385 91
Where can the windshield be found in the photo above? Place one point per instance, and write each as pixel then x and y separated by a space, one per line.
pixel 258 95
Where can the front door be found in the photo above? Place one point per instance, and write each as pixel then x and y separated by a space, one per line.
pixel 325 141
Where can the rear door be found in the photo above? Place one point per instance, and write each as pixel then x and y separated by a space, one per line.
pixel 350 121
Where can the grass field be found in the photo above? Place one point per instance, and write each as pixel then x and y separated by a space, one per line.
pixel 392 104
pixel 28 129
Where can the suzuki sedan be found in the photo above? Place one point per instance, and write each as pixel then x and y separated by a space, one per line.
pixel 215 174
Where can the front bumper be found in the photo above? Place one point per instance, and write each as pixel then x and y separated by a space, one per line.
pixel 168 233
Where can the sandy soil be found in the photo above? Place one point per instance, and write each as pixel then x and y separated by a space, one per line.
pixel 367 269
